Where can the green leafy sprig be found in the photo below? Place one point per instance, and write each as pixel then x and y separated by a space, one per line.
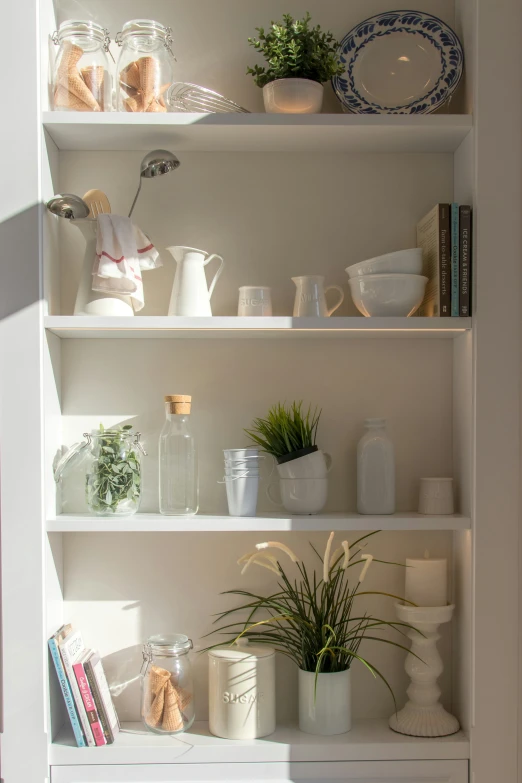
pixel 115 474
pixel 294 49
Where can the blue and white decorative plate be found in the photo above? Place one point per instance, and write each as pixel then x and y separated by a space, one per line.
pixel 399 62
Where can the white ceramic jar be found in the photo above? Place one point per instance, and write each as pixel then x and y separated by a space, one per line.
pixel 375 470
pixel 325 703
pixel 242 692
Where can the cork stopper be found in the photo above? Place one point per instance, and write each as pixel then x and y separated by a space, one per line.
pixel 178 403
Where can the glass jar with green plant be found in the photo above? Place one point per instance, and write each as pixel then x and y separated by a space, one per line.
pixel 300 58
pixel 317 621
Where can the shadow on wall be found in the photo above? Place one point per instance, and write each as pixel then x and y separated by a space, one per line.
pixel 20 284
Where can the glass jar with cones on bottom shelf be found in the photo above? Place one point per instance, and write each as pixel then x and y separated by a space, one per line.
pixel 81 75
pixel 167 691
pixel 145 66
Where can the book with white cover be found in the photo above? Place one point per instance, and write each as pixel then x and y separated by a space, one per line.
pixel 71 648
pixel 103 695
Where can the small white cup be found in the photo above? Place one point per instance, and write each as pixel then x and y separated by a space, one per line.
pixel 255 301
pixel 436 496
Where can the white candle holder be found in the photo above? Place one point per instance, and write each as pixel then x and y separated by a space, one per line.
pixel 424 715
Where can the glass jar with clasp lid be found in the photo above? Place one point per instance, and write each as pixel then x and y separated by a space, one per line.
pixel 81 79
pixel 145 66
pixel 167 690
pixel 111 460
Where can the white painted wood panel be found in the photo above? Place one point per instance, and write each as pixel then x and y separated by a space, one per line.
pixel 354 772
pixel 271 217
pixel 121 589
pixel 369 740
pixel 409 382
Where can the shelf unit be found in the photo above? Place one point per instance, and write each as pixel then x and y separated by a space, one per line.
pixel 369 740
pixel 205 523
pixel 454 393
pixel 230 326
pixel 258 132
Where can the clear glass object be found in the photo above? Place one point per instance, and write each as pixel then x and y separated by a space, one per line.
pixel 145 66
pixel 81 79
pixel 113 470
pixel 375 470
pixel 178 462
pixel 167 690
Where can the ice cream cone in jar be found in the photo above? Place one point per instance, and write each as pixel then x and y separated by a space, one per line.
pixel 81 75
pixel 167 693
pixel 145 66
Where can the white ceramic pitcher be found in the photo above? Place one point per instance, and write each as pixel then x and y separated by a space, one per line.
pixel 190 292
pixel 310 297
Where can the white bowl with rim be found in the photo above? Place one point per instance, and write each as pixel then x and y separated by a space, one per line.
pixel 388 295
pixel 403 262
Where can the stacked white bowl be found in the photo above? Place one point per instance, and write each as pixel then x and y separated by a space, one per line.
pixel 390 285
pixel 242 481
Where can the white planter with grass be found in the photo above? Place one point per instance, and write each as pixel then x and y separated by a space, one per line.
pixel 325 708
pixel 293 96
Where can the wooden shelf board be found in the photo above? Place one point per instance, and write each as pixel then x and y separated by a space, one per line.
pixel 258 132
pixel 153 523
pixel 369 740
pixel 69 326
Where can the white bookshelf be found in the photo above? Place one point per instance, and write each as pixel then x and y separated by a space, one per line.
pixel 258 132
pixel 204 523
pixel 369 740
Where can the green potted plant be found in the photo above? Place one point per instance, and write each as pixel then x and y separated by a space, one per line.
pixel 300 58
pixel 315 619
pixel 289 434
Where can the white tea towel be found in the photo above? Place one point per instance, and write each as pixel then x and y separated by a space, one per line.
pixel 122 253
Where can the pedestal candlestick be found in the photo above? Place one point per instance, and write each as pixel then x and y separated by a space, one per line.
pixel 424 715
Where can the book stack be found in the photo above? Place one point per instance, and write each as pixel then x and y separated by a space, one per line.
pixel 444 235
pixel 85 689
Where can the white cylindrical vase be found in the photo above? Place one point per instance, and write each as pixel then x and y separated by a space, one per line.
pixel 242 702
pixel 325 708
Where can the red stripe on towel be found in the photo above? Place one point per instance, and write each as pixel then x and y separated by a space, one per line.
pixel 116 260
pixel 145 249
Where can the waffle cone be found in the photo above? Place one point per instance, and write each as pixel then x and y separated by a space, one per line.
pixel 156 106
pixel 184 699
pixel 130 76
pixel 74 83
pixel 172 718
pixel 149 79
pixel 71 54
pixel 66 100
pixel 155 715
pixel 133 104
pixel 94 78
pixel 157 679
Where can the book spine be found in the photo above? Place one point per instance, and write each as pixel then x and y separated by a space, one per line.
pixel 88 701
pixel 455 300
pixel 91 679
pixel 69 702
pixel 444 260
pixel 465 261
pixel 77 696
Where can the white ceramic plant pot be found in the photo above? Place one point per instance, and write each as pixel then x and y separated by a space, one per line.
pixel 315 465
pixel 327 709
pixel 293 96
pixel 301 496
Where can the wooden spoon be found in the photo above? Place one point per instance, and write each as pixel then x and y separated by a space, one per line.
pixel 97 202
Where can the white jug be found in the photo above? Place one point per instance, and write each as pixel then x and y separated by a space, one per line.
pixel 190 293
pixel 310 297
pixel 89 302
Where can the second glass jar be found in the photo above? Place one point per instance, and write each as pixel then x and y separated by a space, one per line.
pixel 178 461
pixel 145 66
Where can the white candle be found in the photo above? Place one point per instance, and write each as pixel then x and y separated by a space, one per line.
pixel 427 581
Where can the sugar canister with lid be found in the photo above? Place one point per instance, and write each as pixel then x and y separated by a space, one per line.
pixel 242 703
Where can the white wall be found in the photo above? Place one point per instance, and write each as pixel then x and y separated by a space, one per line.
pixel 270 216
pixel 120 589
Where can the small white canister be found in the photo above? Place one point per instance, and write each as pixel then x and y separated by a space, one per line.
pixel 242 692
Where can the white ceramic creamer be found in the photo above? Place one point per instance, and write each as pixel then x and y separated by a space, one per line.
pixel 242 692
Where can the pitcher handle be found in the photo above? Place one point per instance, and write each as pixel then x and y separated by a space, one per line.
pixel 341 300
pixel 216 276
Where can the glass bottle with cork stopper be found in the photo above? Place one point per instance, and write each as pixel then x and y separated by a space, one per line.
pixel 178 461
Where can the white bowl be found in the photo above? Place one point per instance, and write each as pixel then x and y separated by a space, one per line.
pixel 388 295
pixel 403 262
